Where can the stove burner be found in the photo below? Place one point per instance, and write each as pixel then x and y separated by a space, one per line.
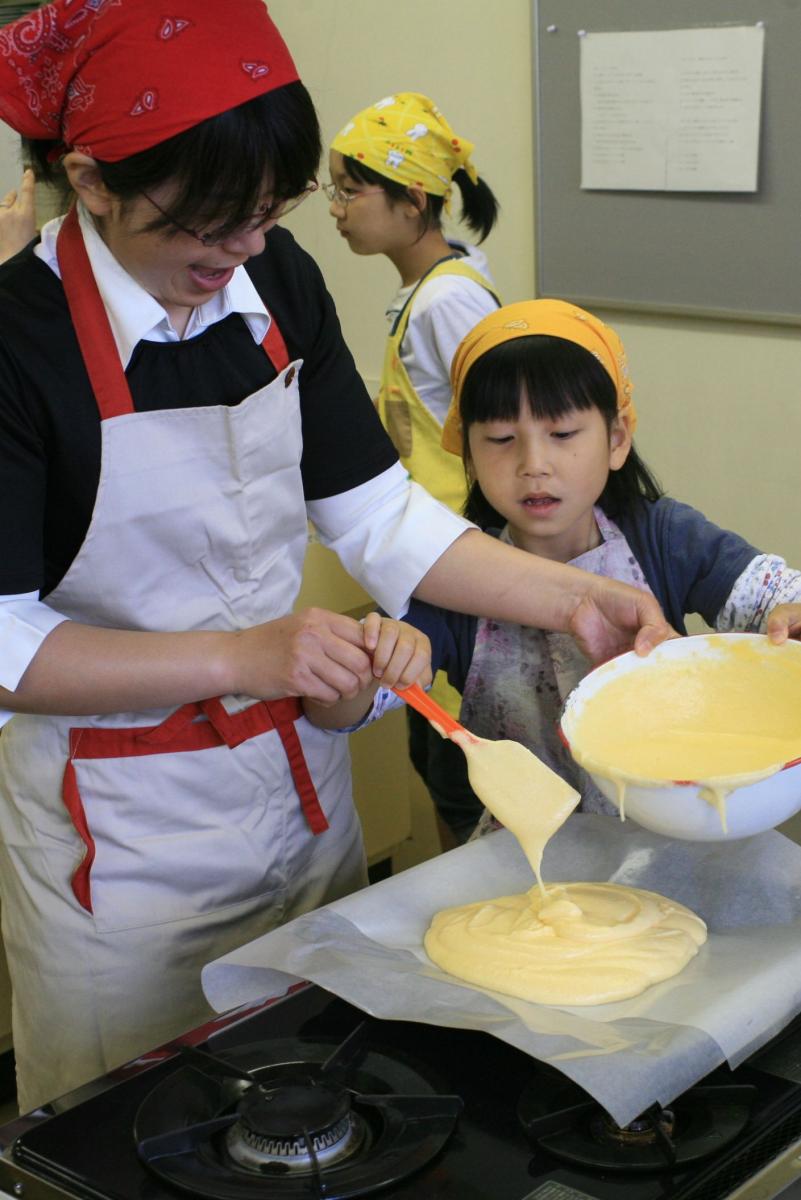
pixel 303 1119
pixel 655 1125
pixel 563 1120
pixel 294 1125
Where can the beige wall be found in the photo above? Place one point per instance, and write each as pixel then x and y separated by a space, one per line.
pixel 719 401
pixel 9 158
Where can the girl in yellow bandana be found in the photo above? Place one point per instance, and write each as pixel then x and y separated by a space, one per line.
pixel 393 170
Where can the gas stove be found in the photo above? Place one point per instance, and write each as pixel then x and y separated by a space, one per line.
pixel 308 1097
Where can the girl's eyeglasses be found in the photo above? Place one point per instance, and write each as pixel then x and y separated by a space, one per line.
pixel 343 197
pixel 270 212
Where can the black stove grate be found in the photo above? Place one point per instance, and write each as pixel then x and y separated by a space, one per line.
pixel 219 1127
pixel 562 1120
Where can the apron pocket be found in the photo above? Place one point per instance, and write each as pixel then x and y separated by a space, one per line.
pixel 179 835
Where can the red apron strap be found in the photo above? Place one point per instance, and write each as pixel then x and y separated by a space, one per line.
pixel 284 718
pixel 274 347
pixel 280 715
pixel 90 320
pixel 236 728
pixel 173 727
pixel 73 803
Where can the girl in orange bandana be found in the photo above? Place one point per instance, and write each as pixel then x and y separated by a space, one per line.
pixel 542 417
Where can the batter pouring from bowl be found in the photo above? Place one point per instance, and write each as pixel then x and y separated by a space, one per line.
pixel 712 725
pixel 572 944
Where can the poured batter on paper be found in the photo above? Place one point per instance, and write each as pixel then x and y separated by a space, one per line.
pixel 569 944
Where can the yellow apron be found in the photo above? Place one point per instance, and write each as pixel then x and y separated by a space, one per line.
pixel 415 431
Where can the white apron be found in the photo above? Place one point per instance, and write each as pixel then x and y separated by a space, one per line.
pixel 137 846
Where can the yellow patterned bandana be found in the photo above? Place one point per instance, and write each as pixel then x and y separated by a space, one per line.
pixel 555 318
pixel 406 138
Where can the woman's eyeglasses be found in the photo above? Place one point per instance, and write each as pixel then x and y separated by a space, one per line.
pixel 270 213
pixel 343 196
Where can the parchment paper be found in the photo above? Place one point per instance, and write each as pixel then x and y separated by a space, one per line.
pixel 744 985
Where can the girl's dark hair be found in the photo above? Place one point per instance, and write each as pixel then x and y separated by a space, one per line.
pixel 219 166
pixel 479 206
pixel 557 376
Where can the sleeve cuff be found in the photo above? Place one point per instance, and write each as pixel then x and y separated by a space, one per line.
pixel 25 622
pixel 383 702
pixel 387 533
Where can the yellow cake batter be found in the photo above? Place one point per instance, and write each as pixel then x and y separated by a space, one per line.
pixel 722 719
pixel 571 944
pixel 587 943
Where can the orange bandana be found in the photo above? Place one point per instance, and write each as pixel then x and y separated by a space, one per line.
pixel 556 318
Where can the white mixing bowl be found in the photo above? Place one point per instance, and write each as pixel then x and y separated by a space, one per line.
pixel 680 809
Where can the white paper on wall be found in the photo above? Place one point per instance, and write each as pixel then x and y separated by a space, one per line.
pixel 672 110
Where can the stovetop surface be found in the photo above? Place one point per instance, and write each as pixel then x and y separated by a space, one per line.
pixel 88 1150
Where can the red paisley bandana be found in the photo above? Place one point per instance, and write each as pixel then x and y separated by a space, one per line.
pixel 113 77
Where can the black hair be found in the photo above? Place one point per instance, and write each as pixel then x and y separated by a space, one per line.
pixel 479 206
pixel 219 166
pixel 557 376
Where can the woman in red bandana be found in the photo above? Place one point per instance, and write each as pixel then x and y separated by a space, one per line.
pixel 175 402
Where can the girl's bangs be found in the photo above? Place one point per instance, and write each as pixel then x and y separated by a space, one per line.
pixel 555 375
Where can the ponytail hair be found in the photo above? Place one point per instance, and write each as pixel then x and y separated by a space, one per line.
pixel 479 206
